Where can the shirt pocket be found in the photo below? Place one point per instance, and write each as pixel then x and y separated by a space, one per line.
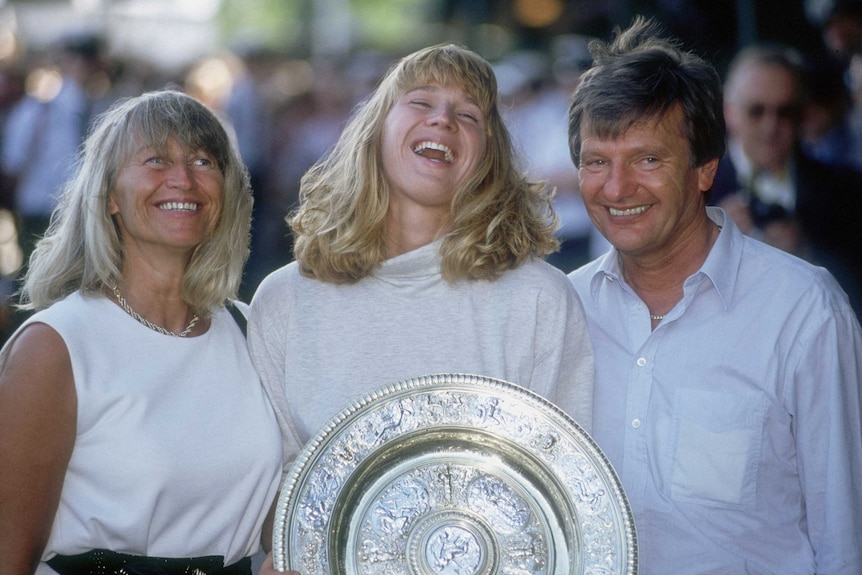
pixel 717 445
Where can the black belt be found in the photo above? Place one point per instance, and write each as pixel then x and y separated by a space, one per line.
pixel 104 562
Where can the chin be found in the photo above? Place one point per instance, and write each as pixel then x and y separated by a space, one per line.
pixel 624 242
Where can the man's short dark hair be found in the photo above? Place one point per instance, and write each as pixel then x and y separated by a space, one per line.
pixel 641 75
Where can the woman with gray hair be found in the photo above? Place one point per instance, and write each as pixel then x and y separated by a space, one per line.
pixel 134 432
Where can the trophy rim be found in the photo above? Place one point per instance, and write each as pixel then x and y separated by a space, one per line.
pixel 528 468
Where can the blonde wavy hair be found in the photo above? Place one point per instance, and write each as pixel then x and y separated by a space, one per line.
pixel 499 219
pixel 82 248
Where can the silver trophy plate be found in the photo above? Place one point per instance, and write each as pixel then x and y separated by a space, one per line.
pixel 453 474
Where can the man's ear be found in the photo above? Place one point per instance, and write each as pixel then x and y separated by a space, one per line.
pixel 706 175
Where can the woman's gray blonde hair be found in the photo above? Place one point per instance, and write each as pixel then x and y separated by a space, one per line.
pixel 82 248
pixel 499 219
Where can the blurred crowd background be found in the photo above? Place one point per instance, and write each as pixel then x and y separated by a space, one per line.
pixel 285 74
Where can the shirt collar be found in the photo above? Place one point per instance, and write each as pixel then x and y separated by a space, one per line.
pixel 721 266
pixel 722 263
pixel 420 262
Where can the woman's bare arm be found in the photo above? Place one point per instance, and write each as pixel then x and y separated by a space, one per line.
pixel 38 413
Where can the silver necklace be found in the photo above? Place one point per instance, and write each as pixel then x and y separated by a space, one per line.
pixel 656 317
pixel 128 309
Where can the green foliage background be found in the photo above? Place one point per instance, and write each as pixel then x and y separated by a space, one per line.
pixel 284 24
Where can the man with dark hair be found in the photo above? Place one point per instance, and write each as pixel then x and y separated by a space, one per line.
pixel 728 372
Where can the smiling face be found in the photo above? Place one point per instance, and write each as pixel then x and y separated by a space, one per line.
pixel 433 140
pixel 168 200
pixel 640 189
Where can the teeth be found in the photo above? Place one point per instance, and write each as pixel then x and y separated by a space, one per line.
pixel 447 152
pixel 179 206
pixel 629 211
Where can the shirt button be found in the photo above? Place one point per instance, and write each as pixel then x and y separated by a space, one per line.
pixel 641 361
pixel 636 423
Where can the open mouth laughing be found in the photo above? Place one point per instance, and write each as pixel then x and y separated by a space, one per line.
pixel 434 151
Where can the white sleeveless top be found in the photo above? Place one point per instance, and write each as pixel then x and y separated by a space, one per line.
pixel 177 452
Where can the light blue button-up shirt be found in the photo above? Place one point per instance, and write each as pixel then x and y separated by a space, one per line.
pixel 735 424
